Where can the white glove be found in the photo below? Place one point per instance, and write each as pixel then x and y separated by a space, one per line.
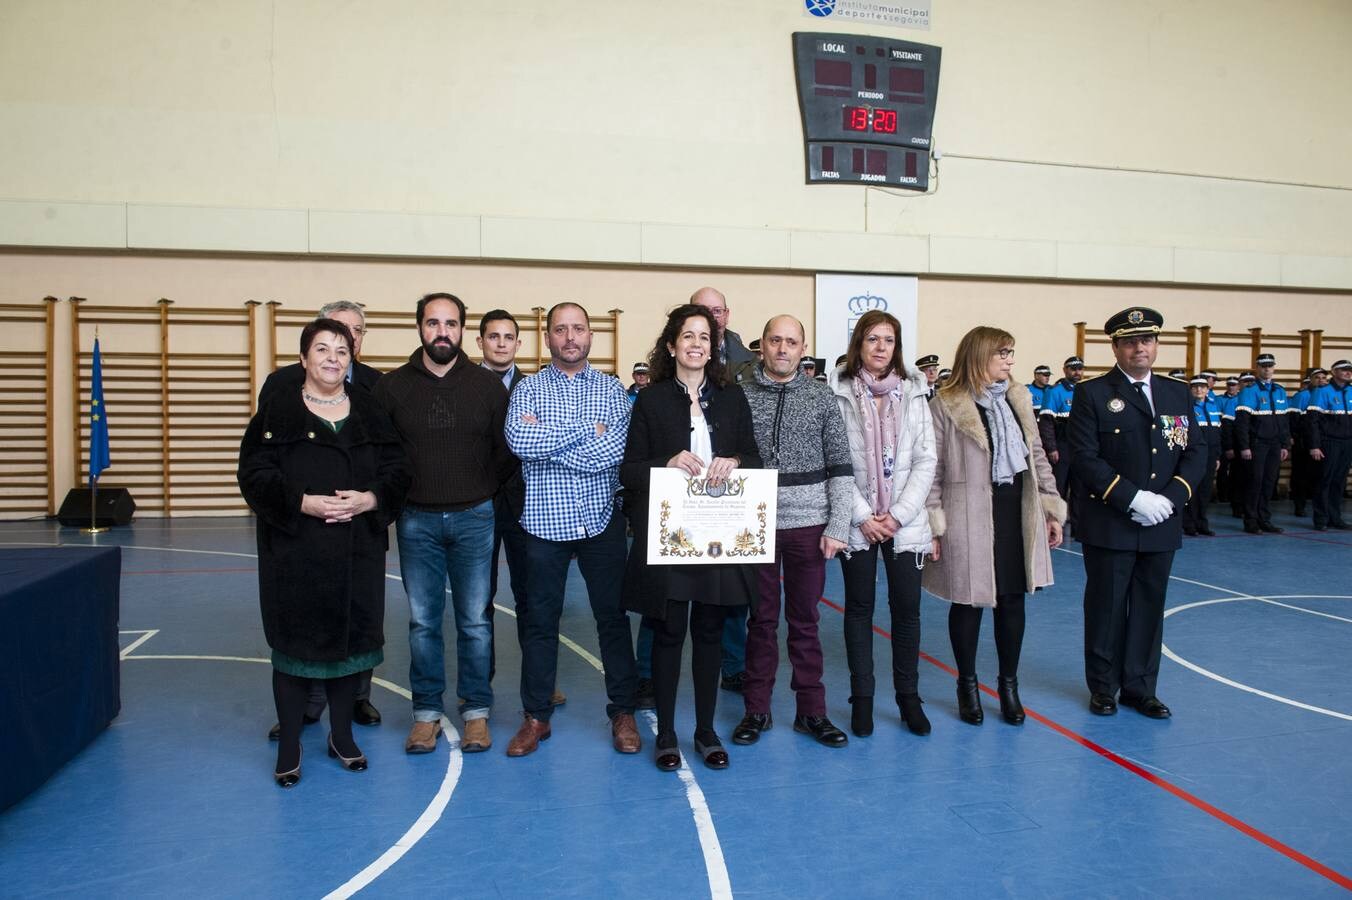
pixel 1149 508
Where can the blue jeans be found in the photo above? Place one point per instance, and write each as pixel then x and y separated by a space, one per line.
pixel 734 641
pixel 433 546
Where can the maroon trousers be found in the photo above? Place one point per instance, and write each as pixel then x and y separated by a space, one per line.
pixel 798 553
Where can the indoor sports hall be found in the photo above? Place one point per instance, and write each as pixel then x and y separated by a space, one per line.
pixel 184 186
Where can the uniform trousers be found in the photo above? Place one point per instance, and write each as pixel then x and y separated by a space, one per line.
pixel 1261 481
pixel 1195 513
pixel 798 553
pixel 1124 596
pixel 1328 498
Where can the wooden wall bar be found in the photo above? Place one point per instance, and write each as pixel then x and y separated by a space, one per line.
pixel 26 448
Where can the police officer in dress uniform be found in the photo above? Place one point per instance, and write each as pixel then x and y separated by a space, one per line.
pixel 1263 438
pixel 1226 402
pixel 1304 474
pixel 1208 416
pixel 1136 454
pixel 1330 416
pixel 929 364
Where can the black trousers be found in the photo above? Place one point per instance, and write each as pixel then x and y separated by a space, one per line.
pixel 705 622
pixel 1328 498
pixel 859 573
pixel 1239 485
pixel 508 533
pixel 1262 481
pixel 1195 513
pixel 1304 478
pixel 1124 594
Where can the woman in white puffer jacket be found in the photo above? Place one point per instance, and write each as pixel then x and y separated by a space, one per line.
pixel 892 451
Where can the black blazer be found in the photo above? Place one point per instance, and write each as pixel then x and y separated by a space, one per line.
pixel 293 376
pixel 510 502
pixel 659 429
pixel 1118 446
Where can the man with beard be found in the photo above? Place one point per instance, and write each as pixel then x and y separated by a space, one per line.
pixel 568 424
pixel 449 414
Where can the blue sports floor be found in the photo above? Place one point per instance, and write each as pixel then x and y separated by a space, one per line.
pixel 1246 792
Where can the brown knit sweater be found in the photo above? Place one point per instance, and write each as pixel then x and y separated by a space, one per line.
pixel 452 431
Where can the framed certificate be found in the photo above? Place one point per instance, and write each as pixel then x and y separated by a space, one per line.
pixel 691 522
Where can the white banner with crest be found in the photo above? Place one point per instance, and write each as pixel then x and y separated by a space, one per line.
pixel 842 299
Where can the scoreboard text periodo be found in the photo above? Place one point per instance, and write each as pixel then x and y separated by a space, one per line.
pixel 868 108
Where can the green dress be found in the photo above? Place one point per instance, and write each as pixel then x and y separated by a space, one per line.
pixel 304 668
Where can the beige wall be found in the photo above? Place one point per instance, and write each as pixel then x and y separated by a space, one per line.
pixel 1039 314
pixel 1155 141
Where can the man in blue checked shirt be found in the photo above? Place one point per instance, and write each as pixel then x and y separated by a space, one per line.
pixel 568 424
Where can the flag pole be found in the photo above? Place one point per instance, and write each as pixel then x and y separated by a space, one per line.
pixel 93 479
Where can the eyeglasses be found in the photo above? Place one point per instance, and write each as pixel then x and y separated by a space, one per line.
pixel 358 330
pixel 1005 352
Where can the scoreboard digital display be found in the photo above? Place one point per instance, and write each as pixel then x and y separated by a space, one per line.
pixel 868 108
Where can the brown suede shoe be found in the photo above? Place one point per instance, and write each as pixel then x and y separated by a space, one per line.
pixel 625 732
pixel 476 738
pixel 422 738
pixel 527 739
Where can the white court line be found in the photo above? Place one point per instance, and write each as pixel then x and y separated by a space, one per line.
pixel 423 824
pixel 1313 612
pixel 1230 682
pixel 144 636
pixel 720 885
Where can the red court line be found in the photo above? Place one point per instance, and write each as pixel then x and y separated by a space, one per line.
pixel 1243 827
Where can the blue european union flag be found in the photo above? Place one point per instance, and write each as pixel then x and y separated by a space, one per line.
pixel 98 420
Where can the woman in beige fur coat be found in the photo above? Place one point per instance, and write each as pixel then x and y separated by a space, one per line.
pixel 994 511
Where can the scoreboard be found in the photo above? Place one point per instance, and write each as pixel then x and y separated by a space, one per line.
pixel 868 108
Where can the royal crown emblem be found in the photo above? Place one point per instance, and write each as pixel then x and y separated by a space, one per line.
pixel 865 302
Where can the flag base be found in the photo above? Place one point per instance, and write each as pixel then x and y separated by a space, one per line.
pixel 94 530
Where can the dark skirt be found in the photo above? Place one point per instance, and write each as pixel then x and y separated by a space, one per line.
pixel 714 585
pixel 1011 576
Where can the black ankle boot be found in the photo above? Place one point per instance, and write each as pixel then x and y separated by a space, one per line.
pixel 861 716
pixel 1010 707
pixel 969 700
pixel 913 714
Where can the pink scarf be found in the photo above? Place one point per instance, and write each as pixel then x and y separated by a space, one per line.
pixel 880 433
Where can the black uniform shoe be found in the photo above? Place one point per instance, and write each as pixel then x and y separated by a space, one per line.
pixel 363 713
pixel 1340 526
pixel 1252 529
pixel 1321 528
pixel 1190 532
pixel 734 682
pixel 1102 704
pixel 821 730
pixel 749 730
pixel 1270 528
pixel 1146 706
pixel 1206 531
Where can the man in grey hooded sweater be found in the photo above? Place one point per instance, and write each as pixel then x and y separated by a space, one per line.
pixel 799 431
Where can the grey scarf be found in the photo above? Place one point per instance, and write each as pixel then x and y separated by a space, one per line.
pixel 1009 453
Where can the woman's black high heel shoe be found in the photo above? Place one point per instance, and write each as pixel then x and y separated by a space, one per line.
pixel 969 700
pixel 352 764
pixel 861 716
pixel 1010 707
pixel 289 779
pixel 913 714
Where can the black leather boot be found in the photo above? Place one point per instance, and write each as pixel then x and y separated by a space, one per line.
pixel 861 716
pixel 1010 707
pixel 969 700
pixel 913 714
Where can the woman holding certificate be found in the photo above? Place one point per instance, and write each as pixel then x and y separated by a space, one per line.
pixel 892 452
pixel 994 511
pixel 688 418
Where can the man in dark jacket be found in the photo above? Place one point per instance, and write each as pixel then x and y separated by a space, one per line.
pixel 1136 455
pixel 449 414
pixel 361 377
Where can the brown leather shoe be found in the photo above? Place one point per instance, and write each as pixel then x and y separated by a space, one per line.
pixel 528 737
pixel 476 738
pixel 422 738
pixel 625 732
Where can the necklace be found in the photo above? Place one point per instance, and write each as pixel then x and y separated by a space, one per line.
pixel 321 401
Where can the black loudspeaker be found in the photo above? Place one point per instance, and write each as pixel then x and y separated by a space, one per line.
pixel 115 507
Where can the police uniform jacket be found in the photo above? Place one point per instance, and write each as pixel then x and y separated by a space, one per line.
pixel 1260 415
pixel 1208 417
pixel 1120 446
pixel 1330 414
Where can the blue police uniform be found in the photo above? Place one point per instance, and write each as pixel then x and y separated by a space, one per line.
pixel 1123 442
pixel 1053 419
pixel 1261 427
pixel 1208 416
pixel 1229 481
pixel 1304 477
pixel 1038 394
pixel 1330 419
